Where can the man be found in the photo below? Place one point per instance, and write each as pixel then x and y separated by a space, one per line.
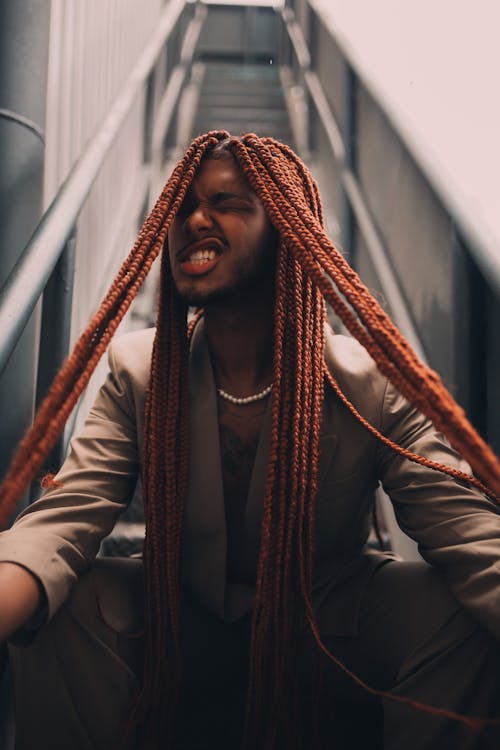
pixel 260 443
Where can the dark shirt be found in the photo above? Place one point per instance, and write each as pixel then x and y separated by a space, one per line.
pixel 239 430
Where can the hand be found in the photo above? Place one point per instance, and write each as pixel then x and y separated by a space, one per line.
pixel 21 594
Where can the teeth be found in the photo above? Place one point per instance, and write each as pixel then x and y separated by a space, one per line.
pixel 202 256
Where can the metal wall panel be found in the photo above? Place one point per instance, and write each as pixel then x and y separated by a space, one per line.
pixel 452 301
pixel 326 172
pixel 24 38
pixel 24 35
pixel 93 47
pixel 328 63
pixel 415 228
pixel 492 367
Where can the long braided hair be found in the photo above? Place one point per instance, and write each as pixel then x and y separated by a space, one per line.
pixel 307 264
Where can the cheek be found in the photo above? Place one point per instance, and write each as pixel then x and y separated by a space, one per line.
pixel 172 242
pixel 265 239
pixel 267 231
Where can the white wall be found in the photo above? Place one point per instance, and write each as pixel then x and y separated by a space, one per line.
pixel 94 44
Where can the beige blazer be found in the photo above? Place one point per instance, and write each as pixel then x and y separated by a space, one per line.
pixel 457 529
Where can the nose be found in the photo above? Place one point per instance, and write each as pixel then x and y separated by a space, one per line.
pixel 199 219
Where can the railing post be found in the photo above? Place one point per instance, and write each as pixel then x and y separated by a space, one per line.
pixel 56 331
pixel 27 280
pixel 348 126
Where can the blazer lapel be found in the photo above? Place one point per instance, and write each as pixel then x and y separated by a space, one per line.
pixel 205 525
pixel 239 597
pixel 327 446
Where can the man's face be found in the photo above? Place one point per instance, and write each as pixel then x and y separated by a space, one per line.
pixel 221 241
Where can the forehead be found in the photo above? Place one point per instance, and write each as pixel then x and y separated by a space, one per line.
pixel 220 175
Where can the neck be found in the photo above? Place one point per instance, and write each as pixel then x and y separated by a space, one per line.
pixel 240 339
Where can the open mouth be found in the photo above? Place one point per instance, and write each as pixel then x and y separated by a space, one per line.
pixel 199 259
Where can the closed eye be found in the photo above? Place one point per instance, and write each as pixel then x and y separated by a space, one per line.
pixel 231 200
pixel 221 201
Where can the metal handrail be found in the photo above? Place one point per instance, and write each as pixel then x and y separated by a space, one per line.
pixel 352 189
pixel 175 83
pixel 21 291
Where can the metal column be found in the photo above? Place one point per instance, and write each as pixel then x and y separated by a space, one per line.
pixel 24 40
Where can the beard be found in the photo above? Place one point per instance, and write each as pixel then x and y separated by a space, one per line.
pixel 249 284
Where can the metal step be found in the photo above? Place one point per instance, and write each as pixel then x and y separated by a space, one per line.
pixel 223 98
pixel 242 71
pixel 244 113
pixel 240 128
pixel 242 98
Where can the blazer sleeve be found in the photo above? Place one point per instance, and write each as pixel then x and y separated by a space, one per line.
pixel 57 537
pixel 456 527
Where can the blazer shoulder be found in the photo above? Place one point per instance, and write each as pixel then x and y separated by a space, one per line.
pixel 129 356
pixel 347 358
pixel 356 373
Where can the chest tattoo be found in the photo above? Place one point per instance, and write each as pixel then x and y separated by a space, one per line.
pixel 239 436
pixel 237 453
pixel 239 430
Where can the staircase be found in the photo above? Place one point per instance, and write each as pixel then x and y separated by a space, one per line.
pixel 242 97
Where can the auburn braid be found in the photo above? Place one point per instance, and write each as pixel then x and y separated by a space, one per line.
pixel 267 722
pixel 165 473
pixel 314 250
pixel 75 373
pixel 287 500
pixel 305 258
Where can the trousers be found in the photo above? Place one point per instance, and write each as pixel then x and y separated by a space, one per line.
pixel 73 684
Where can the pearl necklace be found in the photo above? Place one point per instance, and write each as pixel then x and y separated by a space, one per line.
pixel 245 399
